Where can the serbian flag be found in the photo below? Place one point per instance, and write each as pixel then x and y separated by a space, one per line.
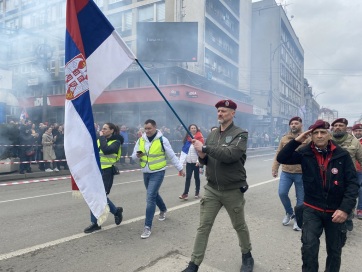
pixel 94 55
pixel 24 115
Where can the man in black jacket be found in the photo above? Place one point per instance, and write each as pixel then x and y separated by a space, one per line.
pixel 330 188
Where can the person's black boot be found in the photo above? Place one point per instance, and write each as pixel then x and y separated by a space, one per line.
pixel 118 217
pixel 247 263
pixel 93 227
pixel 192 267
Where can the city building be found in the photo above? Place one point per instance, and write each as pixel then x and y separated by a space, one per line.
pixel 277 67
pixel 221 69
pixel 310 110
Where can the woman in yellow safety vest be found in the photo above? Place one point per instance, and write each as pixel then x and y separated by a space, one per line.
pixel 109 145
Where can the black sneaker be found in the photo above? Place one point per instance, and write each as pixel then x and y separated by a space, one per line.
pixel 247 263
pixel 349 224
pixel 192 267
pixel 118 216
pixel 93 227
pixel 29 171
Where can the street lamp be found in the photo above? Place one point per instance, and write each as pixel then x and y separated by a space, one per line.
pixel 315 96
pixel 44 53
pixel 270 100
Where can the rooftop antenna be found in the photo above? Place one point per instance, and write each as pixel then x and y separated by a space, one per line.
pixel 284 4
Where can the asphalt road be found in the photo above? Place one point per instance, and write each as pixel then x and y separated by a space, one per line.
pixel 42 229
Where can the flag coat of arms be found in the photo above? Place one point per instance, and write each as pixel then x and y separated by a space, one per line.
pixel 95 55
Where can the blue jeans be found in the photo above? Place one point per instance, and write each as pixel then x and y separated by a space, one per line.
pixel 285 182
pixel 359 176
pixel 153 183
pixel 112 209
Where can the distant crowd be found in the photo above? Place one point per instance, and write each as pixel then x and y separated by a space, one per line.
pixel 43 143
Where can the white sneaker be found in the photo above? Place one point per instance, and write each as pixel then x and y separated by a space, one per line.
pixel 48 170
pixel 146 233
pixel 295 227
pixel 162 216
pixel 56 169
pixel 287 218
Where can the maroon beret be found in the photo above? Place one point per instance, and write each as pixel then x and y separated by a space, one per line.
pixel 357 126
pixel 319 124
pixel 226 104
pixel 295 118
pixel 340 120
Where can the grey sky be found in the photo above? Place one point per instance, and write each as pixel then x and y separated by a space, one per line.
pixel 331 36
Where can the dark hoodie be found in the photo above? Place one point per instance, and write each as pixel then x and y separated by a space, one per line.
pixel 114 147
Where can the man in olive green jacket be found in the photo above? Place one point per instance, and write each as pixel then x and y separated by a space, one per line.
pixel 352 145
pixel 224 155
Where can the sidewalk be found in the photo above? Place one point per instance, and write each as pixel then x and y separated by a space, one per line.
pixel 36 173
pixel 5 177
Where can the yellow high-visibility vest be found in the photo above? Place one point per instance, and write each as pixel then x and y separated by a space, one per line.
pixel 108 160
pixel 155 157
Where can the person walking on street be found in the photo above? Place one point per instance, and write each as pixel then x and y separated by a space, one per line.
pixel 189 155
pixel 290 174
pixel 109 145
pixel 151 149
pixel 348 142
pixel 357 133
pixel 224 155
pixel 330 192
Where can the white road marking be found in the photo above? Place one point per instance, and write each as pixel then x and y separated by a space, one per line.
pixel 262 155
pixel 269 159
pixel 67 192
pixel 80 235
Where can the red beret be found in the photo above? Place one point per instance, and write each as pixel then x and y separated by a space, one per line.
pixel 295 118
pixel 340 120
pixel 357 126
pixel 226 104
pixel 319 124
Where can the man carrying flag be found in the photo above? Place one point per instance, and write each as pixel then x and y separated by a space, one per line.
pixel 95 55
pixel 24 115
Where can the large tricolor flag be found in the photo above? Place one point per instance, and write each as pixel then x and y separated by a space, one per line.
pixel 94 55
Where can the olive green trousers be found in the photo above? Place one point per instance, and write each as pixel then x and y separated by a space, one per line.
pixel 210 205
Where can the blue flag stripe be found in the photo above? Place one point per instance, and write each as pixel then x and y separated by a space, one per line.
pixel 84 108
pixel 94 27
pixel 71 49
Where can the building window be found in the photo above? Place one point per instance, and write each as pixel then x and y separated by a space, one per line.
pixel 146 14
pixel 160 12
pixel 127 21
pixel 130 82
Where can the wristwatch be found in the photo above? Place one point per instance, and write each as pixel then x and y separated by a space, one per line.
pixel 203 149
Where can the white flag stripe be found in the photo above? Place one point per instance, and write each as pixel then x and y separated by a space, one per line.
pixel 82 161
pixel 103 67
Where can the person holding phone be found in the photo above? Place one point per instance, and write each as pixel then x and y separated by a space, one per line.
pixel 151 149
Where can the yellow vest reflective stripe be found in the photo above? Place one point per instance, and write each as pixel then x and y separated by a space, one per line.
pixel 155 158
pixel 108 160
